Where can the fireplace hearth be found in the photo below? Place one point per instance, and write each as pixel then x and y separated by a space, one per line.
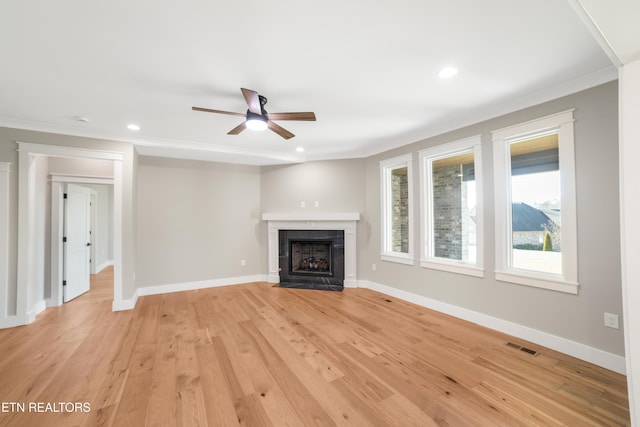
pixel 311 259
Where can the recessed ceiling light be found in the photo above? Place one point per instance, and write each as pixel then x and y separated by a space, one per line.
pixel 299 149
pixel 133 127
pixel 447 72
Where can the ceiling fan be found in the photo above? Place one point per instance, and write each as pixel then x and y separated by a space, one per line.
pixel 257 118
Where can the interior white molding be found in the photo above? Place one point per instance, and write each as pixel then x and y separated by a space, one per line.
pixel 201 284
pixel 581 351
pixel 82 179
pixel 340 216
pixel 630 227
pixel 387 166
pixel 315 221
pixel 428 259
pixel 27 238
pixel 130 304
pixel 4 243
pixel 562 124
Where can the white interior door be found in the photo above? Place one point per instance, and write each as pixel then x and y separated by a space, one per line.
pixel 77 241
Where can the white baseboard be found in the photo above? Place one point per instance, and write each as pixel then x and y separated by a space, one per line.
pixel 125 304
pixel 350 283
pixel 12 322
pixel 37 308
pixel 203 284
pixel 589 354
pixel 104 265
pixel 186 286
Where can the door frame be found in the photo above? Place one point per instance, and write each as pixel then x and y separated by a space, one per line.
pixel 27 236
pixel 58 183
pixel 93 227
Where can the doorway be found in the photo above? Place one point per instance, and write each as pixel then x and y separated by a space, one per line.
pixel 29 240
pixel 81 240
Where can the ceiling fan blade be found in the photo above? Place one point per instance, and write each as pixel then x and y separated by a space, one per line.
pixel 253 100
pixel 208 110
pixel 311 117
pixel 280 130
pixel 236 130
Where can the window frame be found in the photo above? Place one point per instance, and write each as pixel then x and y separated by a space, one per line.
pixel 386 168
pixel 427 157
pixel 562 124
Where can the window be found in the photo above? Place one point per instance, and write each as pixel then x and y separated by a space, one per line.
pixel 536 237
pixel 397 222
pixel 452 226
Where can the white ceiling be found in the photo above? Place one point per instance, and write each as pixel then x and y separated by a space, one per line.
pixel 615 26
pixel 369 70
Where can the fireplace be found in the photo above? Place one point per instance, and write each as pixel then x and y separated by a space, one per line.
pixel 311 259
pixel 308 257
pixel 310 221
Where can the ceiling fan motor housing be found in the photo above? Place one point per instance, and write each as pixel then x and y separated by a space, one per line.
pixel 254 116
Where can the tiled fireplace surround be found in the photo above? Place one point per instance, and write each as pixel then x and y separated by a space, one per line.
pixel 318 221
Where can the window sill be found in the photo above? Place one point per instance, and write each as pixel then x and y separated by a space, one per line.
pixel 398 258
pixel 453 267
pixel 538 281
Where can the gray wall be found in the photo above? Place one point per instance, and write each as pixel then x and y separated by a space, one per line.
pixel 81 167
pixel 575 317
pixel 197 221
pixel 338 186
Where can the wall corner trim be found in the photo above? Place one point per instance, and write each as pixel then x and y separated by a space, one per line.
pixel 584 352
pixel 125 304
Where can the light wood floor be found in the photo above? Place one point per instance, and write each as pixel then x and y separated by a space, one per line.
pixel 256 355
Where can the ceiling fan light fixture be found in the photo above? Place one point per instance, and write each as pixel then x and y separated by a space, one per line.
pixel 256 122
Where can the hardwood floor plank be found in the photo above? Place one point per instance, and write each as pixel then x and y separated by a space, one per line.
pixel 327 370
pixel 551 401
pixel 251 412
pixel 161 407
pixel 261 383
pixel 302 400
pixel 258 355
pixel 524 411
pixel 217 394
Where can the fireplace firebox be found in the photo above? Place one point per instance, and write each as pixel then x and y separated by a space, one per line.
pixel 312 259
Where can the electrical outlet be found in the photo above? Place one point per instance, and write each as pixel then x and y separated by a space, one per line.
pixel 316 204
pixel 243 262
pixel 373 267
pixel 303 204
pixel 611 321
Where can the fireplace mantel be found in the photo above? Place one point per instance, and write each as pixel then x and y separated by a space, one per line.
pixel 303 216
pixel 345 221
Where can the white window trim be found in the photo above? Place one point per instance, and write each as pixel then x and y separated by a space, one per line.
pixel 386 166
pixel 562 123
pixel 427 156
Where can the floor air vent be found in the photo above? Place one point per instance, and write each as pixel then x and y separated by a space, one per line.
pixel 521 348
